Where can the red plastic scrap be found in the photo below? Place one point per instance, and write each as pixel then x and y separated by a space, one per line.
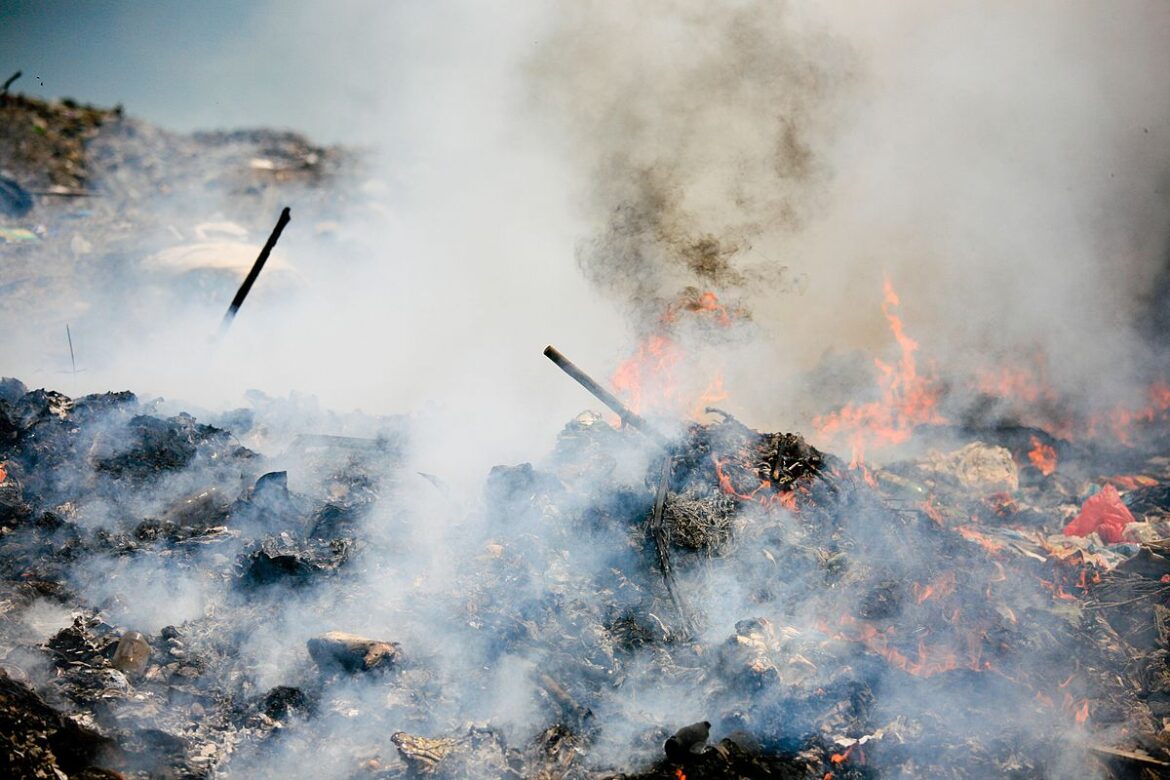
pixel 1104 513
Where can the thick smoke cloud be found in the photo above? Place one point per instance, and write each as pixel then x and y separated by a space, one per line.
pixel 558 174
pixel 701 128
pixel 1003 165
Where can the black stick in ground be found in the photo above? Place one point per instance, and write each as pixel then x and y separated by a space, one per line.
pixel 662 548
pixel 7 84
pixel 257 267
pixel 627 415
pixel 656 529
pixel 72 360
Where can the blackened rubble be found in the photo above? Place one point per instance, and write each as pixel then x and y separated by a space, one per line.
pixel 906 620
pixel 101 483
pixel 39 742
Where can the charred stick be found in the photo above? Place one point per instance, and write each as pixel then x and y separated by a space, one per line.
pixel 657 531
pixel 1126 755
pixel 565 700
pixel 257 267
pixel 661 546
pixel 64 193
pixel 627 415
pixel 72 359
pixel 305 441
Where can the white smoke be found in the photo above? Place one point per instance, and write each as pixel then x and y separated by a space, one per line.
pixel 1003 164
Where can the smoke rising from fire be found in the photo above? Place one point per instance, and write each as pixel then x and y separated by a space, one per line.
pixel 1004 165
pixel 560 175
pixel 700 128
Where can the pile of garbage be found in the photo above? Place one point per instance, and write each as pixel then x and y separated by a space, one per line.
pixel 926 618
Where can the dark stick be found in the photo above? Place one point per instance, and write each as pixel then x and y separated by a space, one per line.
pixel 257 267
pixel 565 699
pixel 7 84
pixel 656 529
pixel 658 533
pixel 72 360
pixel 609 399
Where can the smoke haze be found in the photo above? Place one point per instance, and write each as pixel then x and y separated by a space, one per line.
pixel 559 173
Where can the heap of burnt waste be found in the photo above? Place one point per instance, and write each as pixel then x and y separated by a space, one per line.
pixel 742 605
pixel 103 488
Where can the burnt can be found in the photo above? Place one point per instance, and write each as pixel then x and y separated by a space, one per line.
pixel 132 653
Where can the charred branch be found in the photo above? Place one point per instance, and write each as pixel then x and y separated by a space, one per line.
pixel 662 549
pixel 9 81
pixel 257 267
pixel 628 416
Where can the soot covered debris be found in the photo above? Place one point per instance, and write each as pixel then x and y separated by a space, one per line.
pixel 846 622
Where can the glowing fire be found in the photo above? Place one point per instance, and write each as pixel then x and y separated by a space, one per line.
pixel 708 302
pixel 714 393
pixel 1029 387
pixel 969 533
pixel 1042 456
pixel 1120 421
pixel 648 373
pixel 841 758
pixel 1017 383
pixel 907 398
pixel 760 493
pixel 926 661
pixel 940 588
pixel 649 379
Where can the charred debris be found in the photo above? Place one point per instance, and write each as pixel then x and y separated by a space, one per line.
pixel 882 599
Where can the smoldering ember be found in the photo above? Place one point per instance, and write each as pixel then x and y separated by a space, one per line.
pixel 189 593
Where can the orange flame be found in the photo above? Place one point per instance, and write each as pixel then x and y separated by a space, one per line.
pixel 649 378
pixel 908 399
pixel 940 588
pixel 1042 456
pixel 714 393
pixel 992 546
pixel 1131 481
pixel 1017 383
pixel 932 511
pixel 930 660
pixel 1121 420
pixel 761 493
pixel 841 758
pixel 709 302
pixel 649 370
pixel 678 775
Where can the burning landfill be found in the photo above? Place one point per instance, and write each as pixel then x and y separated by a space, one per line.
pixel 946 574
